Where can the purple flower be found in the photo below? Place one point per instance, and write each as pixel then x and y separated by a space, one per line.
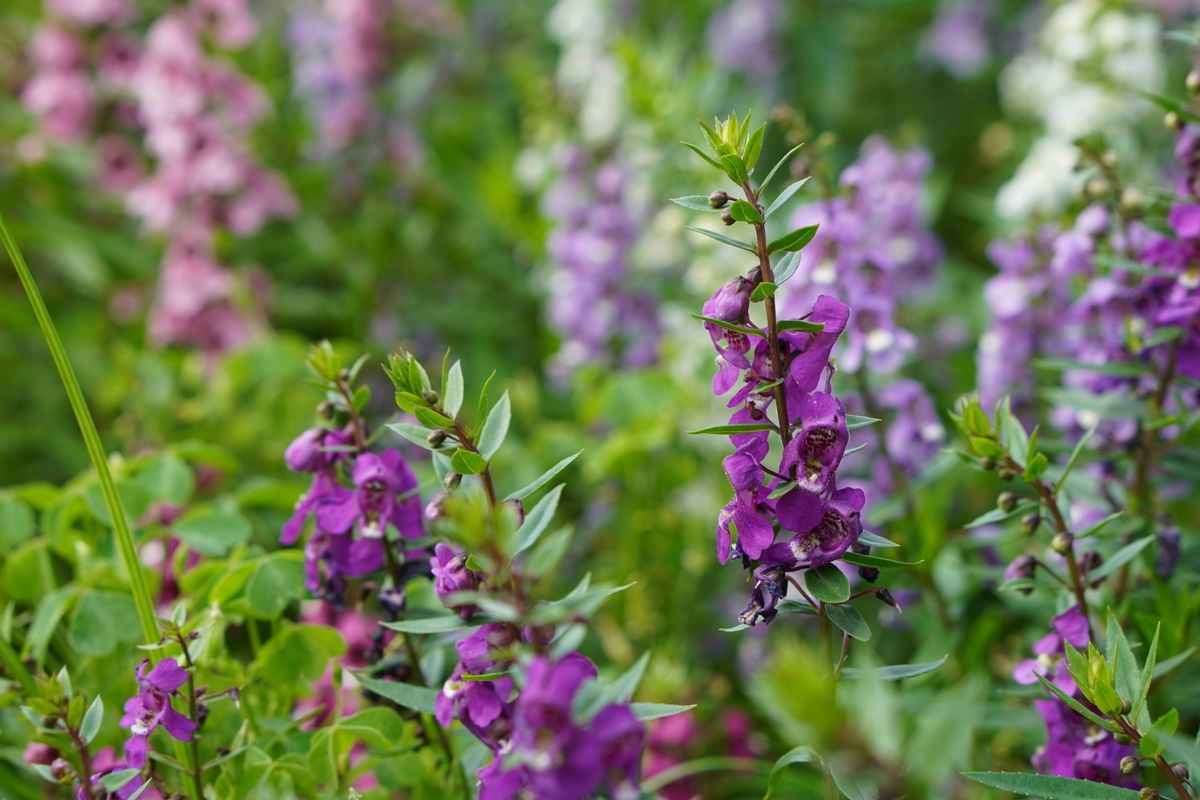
pixel 1069 627
pixel 374 504
pixel 484 707
pixel 450 575
pixel 151 707
pixel 837 529
pixel 815 452
pixel 1075 748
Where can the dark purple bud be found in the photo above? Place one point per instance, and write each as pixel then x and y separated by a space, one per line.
pixel 1090 561
pixel 435 438
pixel 727 218
pixel 59 768
pixel 1180 770
pixel 452 480
pixel 869 574
pixel 988 463
pixel 718 199
pixel 39 753
pixel 538 635
pixel 1030 523
pixel 326 410
pixel 304 453
pixel 885 597
pixel 1021 567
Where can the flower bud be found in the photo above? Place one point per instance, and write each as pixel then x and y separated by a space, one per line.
pixel 435 509
pixel 1173 122
pixel 429 396
pixel 718 199
pixel 1148 794
pixel 1129 765
pixel 988 463
pixel 868 574
pixel 1061 543
pixel 435 438
pixel 1192 82
pixel 39 753
pixel 344 375
pixel 452 480
pixel 1133 201
pixel 885 597
pixel 59 768
pixel 1030 522
pixel 518 507
pixel 1180 770
pixel 1007 473
pixel 1109 159
pixel 1007 501
pixel 1098 188
pixel 1021 567
pixel 1089 561
pixel 325 410
pixel 727 218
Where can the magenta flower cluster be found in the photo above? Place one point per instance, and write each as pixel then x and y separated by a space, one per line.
pixel 99 82
pixel 539 746
pixel 350 523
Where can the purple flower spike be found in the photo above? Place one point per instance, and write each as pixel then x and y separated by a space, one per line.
pixel 819 445
pixel 151 707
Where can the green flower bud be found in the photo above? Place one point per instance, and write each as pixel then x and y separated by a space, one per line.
pixel 452 480
pixel 1007 501
pixel 1192 82
pixel 1061 543
pixel 1129 765
pixel 988 463
pixel 1007 474
pixel 429 396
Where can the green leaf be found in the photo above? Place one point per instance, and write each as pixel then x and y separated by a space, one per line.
pixel 1166 666
pixel 16 522
pixel 92 720
pixel 491 436
pixel 742 211
pixel 594 696
pixel 432 419
pixel 999 515
pixel 784 196
pixel 754 147
pixel 1074 459
pixel 413 433
pixel 895 672
pixel 786 267
pixel 49 613
pixel 794 241
pixel 418 698
pixel 797 755
pixel 452 390
pixel 544 478
pixel 1050 787
pixel 778 164
pixel 730 326
pixel 548 552
pixel 442 623
pixel 762 291
pixel 465 462
pixel 102 621
pixel 1120 558
pixel 1121 369
pixel 1012 432
pixel 115 780
pixel 854 421
pixel 1095 528
pixel 1127 677
pixel 702 154
pixel 849 620
pixel 879 562
pixel 1147 676
pixel 828 584
pixel 695 202
pixel 743 427
pixel 212 532
pixel 275 583
pixel 875 540
pixel 1077 706
pixel 735 168
pixel 537 520
pixel 650 711
pixel 800 325
pixel 723 239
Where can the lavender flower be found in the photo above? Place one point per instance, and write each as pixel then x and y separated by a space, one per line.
pixel 598 316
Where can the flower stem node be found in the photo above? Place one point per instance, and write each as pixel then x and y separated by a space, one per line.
pixel 1061 543
pixel 1030 523
pixel 1007 501
pixel 718 199
pixel 1130 765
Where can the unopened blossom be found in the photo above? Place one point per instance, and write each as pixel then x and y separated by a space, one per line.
pixel 451 575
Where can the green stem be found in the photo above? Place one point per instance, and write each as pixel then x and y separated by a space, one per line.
pixel 91 440
pixel 197 764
